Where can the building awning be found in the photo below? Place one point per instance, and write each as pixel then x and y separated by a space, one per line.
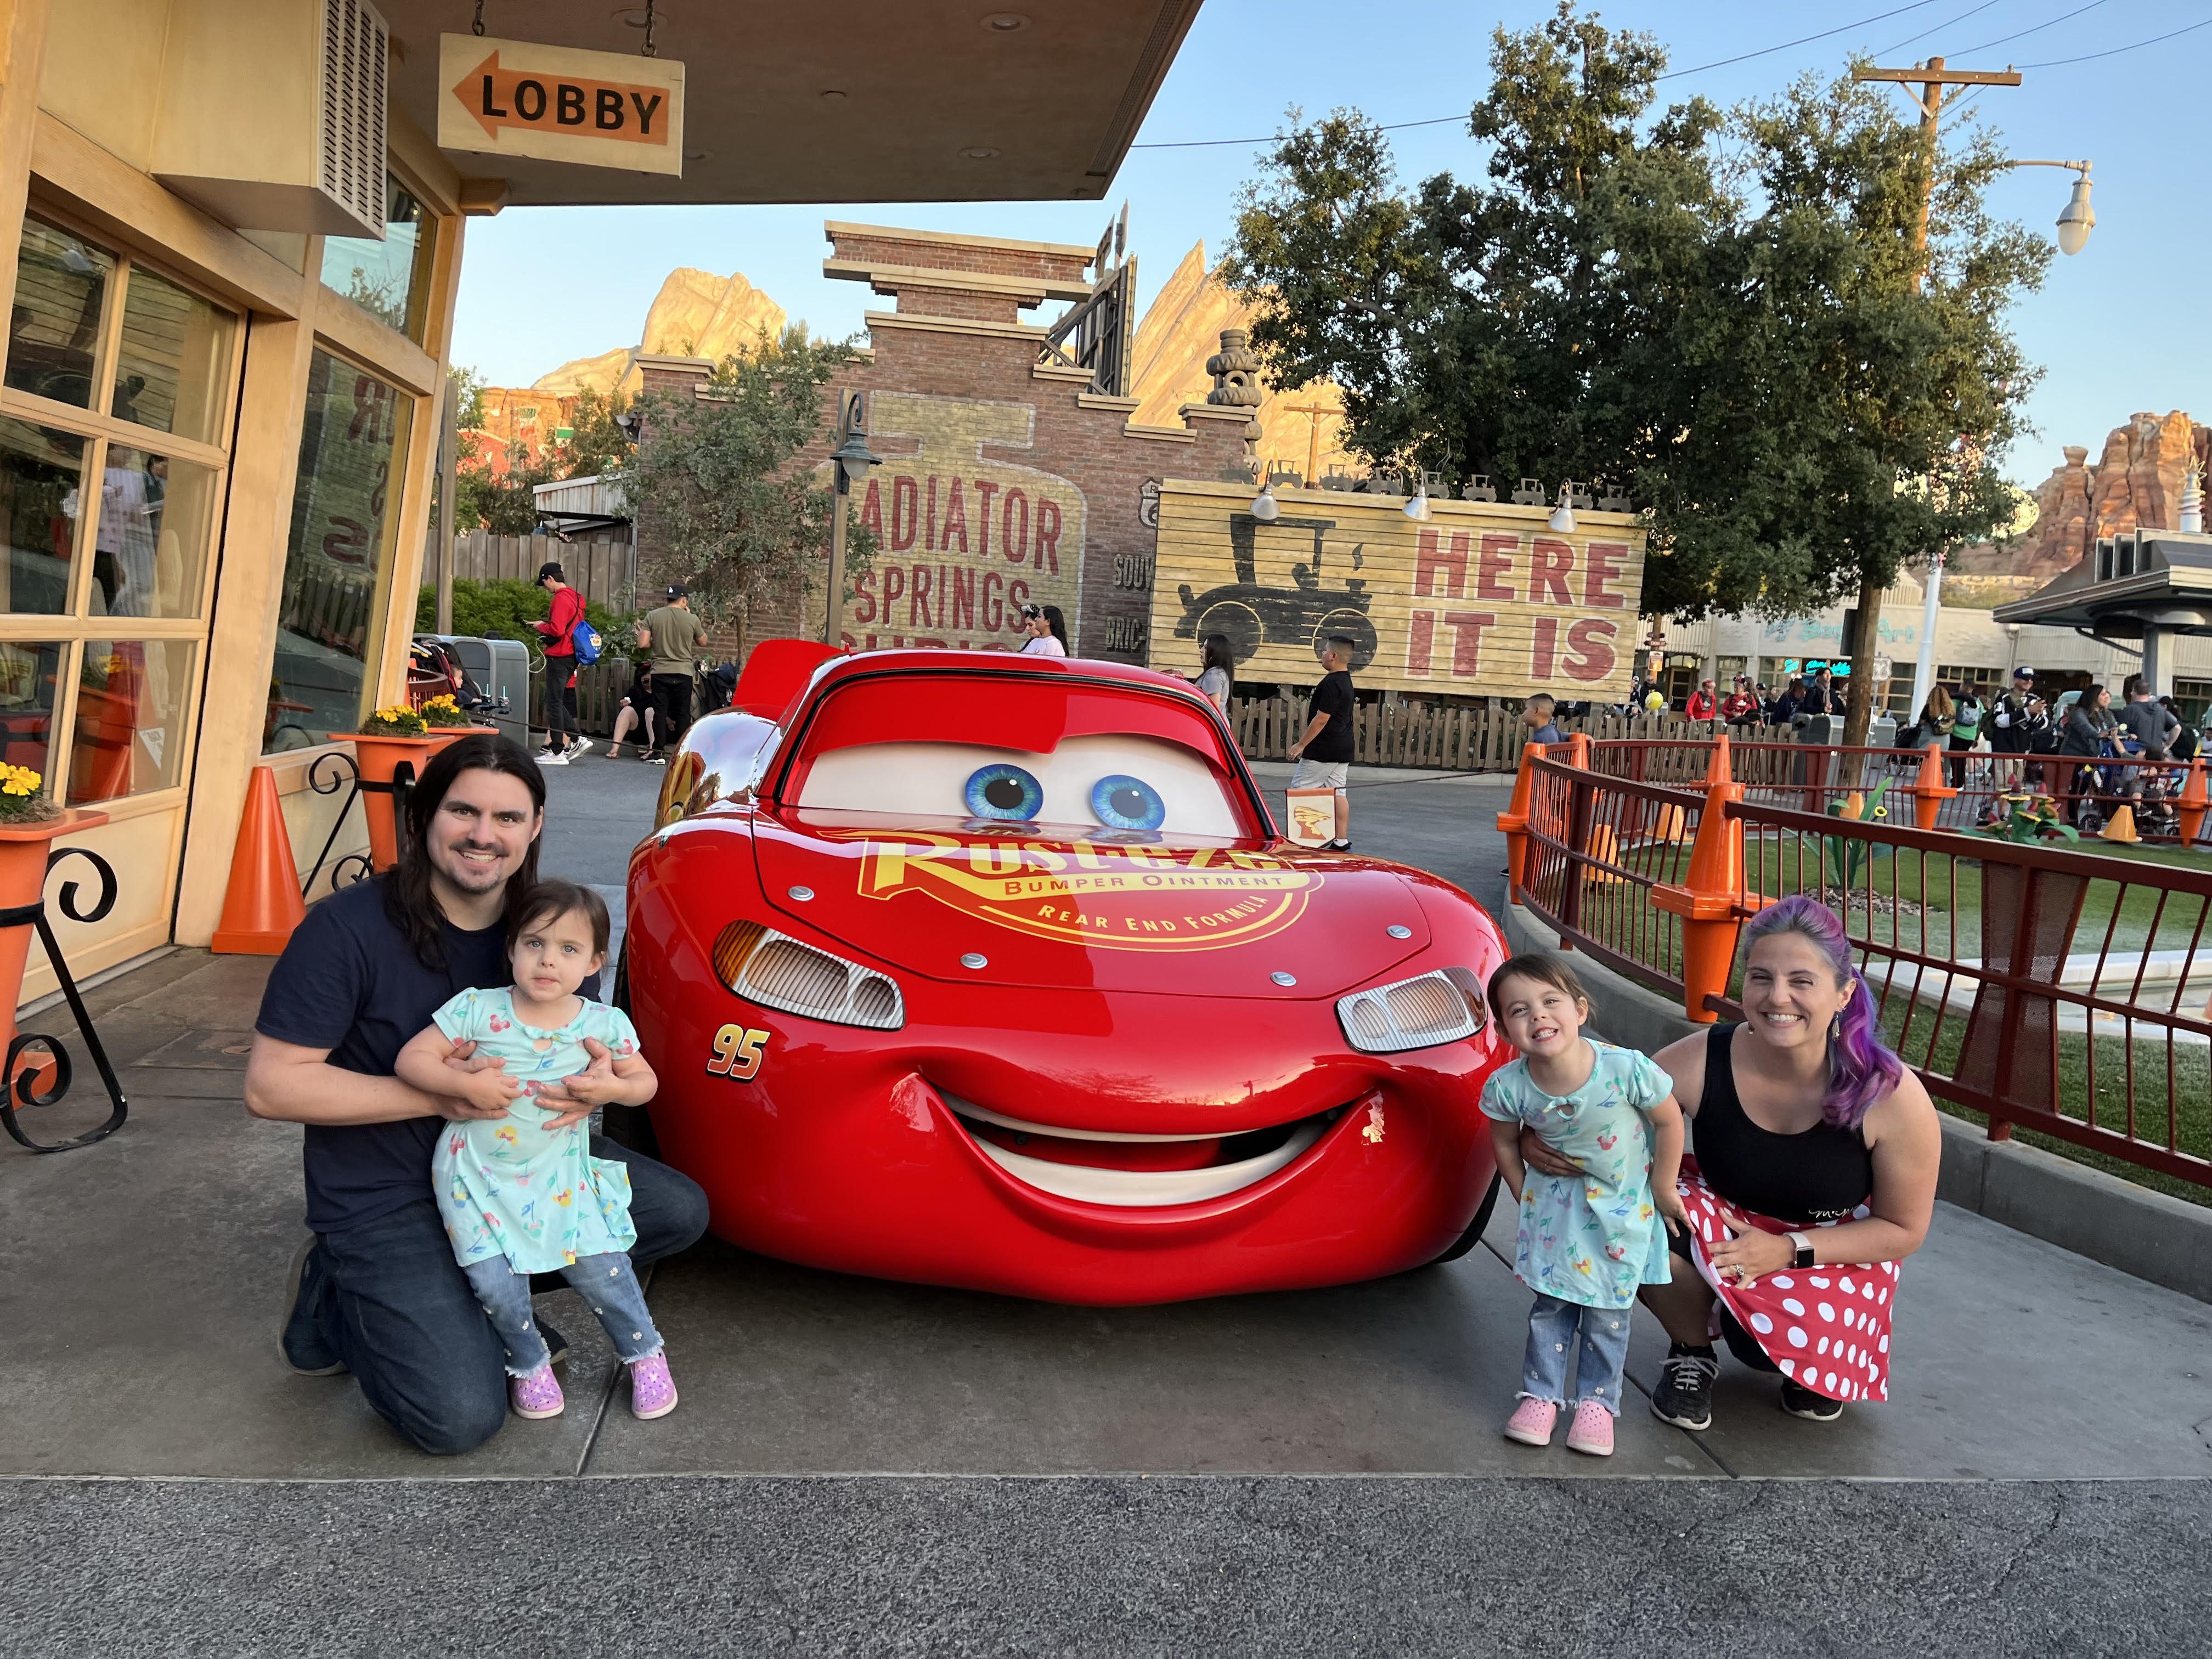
pixel 2127 584
pixel 925 100
pixel 587 506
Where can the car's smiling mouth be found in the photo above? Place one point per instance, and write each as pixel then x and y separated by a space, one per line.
pixel 1135 1171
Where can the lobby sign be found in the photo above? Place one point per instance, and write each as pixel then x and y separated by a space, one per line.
pixel 964 540
pixel 1482 600
pixel 597 109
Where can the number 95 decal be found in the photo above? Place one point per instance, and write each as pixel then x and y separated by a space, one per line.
pixel 737 1053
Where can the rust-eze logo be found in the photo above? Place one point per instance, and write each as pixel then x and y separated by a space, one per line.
pixel 1123 896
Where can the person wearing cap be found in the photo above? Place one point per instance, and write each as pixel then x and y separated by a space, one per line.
pixel 2017 721
pixel 564 741
pixel 673 634
pixel 1740 706
pixel 1702 705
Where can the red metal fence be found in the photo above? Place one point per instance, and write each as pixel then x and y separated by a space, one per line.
pixel 2058 988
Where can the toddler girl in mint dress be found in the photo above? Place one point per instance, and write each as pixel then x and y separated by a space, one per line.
pixel 519 1196
pixel 1585 1243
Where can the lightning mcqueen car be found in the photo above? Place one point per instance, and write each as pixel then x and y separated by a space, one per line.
pixel 986 970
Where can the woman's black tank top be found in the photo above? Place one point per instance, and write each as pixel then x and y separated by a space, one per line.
pixel 1820 1174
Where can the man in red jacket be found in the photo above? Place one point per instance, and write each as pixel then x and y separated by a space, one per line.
pixel 563 742
pixel 1703 705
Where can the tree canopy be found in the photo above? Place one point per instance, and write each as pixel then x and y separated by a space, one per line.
pixel 1729 317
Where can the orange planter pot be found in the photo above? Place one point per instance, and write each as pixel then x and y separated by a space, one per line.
pixel 23 851
pixel 381 760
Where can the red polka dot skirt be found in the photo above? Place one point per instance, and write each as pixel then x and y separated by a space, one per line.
pixel 1827 1326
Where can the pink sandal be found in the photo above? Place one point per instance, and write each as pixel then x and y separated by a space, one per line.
pixel 537 1395
pixel 652 1391
pixel 1531 1422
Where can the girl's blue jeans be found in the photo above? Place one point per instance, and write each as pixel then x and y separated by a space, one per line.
pixel 1552 1325
pixel 608 1285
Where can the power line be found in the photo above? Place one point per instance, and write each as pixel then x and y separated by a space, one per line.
pixel 1699 69
pixel 2006 39
pixel 2087 58
pixel 1937 29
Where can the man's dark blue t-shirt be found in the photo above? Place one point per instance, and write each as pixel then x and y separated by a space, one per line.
pixel 349 981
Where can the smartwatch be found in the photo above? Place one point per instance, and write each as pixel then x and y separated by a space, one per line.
pixel 1804 1246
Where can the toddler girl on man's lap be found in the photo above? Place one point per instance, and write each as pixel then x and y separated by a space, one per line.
pixel 518 1197
pixel 1585 1242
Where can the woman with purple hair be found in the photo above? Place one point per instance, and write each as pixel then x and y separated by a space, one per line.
pixel 1815 1175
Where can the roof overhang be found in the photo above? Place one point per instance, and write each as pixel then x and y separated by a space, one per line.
pixel 2171 588
pixel 1057 100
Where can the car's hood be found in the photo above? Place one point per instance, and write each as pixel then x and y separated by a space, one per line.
pixel 1231 920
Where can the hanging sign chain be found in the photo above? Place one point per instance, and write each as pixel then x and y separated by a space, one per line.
pixel 477 27
pixel 649 50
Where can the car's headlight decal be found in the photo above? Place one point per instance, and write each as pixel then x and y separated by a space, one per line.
pixel 778 971
pixel 1445 1006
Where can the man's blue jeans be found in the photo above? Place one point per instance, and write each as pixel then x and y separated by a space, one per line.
pixel 390 1300
pixel 1604 1350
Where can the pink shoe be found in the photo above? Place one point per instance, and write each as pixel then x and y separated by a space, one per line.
pixel 1531 1422
pixel 1591 1431
pixel 538 1394
pixel 652 1392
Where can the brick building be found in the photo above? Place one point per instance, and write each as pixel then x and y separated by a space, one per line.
pixel 1005 477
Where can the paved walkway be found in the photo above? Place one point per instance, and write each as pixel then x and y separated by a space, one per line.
pixel 139 1307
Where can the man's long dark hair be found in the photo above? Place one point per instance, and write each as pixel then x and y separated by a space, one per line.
pixel 407 899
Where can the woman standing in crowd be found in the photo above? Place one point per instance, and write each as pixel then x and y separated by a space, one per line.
pixel 2088 724
pixel 1215 664
pixel 1938 715
pixel 1965 732
pixel 1047 630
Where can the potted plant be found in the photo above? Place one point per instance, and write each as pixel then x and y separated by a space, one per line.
pixel 30 825
pixel 447 721
pixel 390 749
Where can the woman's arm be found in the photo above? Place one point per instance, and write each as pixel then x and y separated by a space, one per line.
pixel 1684 1062
pixel 290 1084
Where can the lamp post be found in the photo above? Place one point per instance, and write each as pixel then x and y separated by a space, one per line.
pixel 2077 218
pixel 853 459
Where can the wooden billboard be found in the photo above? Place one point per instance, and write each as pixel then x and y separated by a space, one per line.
pixel 1481 600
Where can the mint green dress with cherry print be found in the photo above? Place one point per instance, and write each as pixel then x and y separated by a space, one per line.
pixel 506 1186
pixel 1592 1238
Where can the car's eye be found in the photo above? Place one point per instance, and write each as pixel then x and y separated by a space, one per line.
pixel 1004 791
pixel 1122 802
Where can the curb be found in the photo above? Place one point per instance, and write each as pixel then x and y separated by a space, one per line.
pixel 2148 1234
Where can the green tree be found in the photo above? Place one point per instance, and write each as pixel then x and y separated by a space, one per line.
pixel 1727 316
pixel 716 483
pixel 502 503
pixel 596 445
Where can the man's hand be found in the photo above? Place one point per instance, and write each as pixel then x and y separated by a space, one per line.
pixel 574 1098
pixel 1543 1158
pixel 1296 751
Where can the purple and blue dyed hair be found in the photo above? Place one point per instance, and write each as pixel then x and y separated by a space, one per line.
pixel 1861 1068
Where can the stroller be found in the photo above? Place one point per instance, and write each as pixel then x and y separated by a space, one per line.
pixel 433 670
pixel 2111 783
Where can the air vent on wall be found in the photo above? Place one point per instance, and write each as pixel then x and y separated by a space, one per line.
pixel 272 113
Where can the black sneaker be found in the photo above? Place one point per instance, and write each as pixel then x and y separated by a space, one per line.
pixel 1800 1402
pixel 300 1338
pixel 557 1345
pixel 1685 1394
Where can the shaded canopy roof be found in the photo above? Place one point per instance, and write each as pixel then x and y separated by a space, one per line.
pixel 2126 584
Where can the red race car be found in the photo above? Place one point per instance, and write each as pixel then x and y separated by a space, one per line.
pixel 987 970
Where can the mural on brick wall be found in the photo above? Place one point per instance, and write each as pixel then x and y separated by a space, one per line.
pixel 963 541
pixel 1482 600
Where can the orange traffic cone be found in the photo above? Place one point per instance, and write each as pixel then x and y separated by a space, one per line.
pixel 1604 850
pixel 1719 770
pixel 2121 827
pixel 262 904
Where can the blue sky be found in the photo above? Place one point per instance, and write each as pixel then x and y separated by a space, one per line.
pixel 2117 328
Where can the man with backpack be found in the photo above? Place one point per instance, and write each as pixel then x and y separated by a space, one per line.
pixel 674 636
pixel 563 740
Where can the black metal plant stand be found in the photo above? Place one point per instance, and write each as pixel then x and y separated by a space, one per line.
pixel 355 866
pixel 20 1090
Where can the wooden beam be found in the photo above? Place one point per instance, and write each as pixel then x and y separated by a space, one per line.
pixel 1936 74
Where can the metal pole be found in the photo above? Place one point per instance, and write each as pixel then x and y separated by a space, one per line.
pixel 1923 669
pixel 833 602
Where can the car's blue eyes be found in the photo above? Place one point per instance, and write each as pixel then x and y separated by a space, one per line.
pixel 1004 791
pixel 1010 795
pixel 1122 802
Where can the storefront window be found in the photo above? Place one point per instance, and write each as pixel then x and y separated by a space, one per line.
pixel 172 365
pixel 131 696
pixel 30 676
pixel 40 472
pixel 390 279
pixel 155 515
pixel 53 326
pixel 337 568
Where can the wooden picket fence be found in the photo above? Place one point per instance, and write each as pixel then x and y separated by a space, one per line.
pixel 1448 737
pixel 605 571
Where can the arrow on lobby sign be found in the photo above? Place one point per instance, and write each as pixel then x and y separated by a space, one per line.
pixel 571 105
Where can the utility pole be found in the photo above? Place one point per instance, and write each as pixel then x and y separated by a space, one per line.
pixel 1931 78
pixel 1313 412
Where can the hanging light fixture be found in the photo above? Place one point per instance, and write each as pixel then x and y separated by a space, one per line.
pixel 1417 508
pixel 2078 218
pixel 1265 507
pixel 1563 515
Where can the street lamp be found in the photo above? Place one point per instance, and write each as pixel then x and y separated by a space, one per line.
pixel 853 459
pixel 2078 218
pixel 1417 507
pixel 1265 507
pixel 1562 516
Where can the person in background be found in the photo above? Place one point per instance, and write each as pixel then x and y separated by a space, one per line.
pixel 2187 740
pixel 1937 716
pixel 1704 706
pixel 2016 723
pixel 1966 717
pixel 2152 727
pixel 1323 751
pixel 1820 696
pixel 1740 706
pixel 1783 710
pixel 674 635
pixel 2089 725
pixel 1048 634
pixel 1215 664
pixel 564 741
pixel 637 710
pixel 1537 715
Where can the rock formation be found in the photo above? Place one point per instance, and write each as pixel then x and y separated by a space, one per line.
pixel 696 314
pixel 1180 329
pixel 2134 483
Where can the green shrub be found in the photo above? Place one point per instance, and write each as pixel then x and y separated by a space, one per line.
pixel 503 609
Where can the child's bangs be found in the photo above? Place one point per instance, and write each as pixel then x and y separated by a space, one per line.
pixel 1543 968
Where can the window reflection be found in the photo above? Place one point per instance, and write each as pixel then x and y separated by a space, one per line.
pixel 30 670
pixel 390 279
pixel 337 568
pixel 155 513
pixel 131 699
pixel 174 364
pixel 53 328
pixel 39 472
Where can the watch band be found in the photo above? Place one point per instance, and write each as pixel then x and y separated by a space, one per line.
pixel 1803 1247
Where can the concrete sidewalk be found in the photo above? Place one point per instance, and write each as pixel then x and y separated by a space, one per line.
pixel 140 1303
